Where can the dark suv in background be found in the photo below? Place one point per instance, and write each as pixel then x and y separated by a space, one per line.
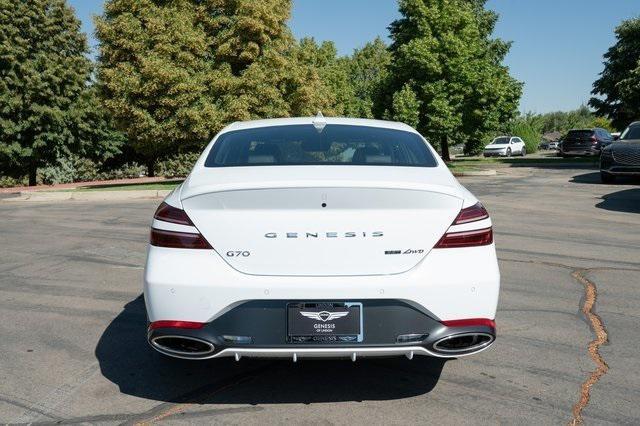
pixel 587 142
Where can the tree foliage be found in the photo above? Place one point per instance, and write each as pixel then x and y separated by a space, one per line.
pixel 617 91
pixel 175 72
pixel 443 51
pixel 155 74
pixel 44 72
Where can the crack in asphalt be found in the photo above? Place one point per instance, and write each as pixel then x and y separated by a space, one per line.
pixel 199 396
pixel 597 326
pixel 601 338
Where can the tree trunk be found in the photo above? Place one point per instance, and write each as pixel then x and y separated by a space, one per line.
pixel 151 166
pixel 444 148
pixel 33 174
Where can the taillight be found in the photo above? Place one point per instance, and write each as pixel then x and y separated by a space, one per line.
pixel 479 237
pixel 172 214
pixel 173 239
pixel 472 322
pixel 467 238
pixel 593 140
pixel 192 239
pixel 471 214
pixel 176 324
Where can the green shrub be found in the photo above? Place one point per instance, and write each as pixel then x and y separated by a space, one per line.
pixel 126 171
pixel 8 182
pixel 76 169
pixel 177 166
pixel 62 172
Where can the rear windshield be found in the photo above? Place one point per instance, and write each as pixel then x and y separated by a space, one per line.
pixel 579 134
pixel 632 133
pixel 334 145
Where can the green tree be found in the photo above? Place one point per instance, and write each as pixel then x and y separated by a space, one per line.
pixel 173 73
pixel 333 72
pixel 368 69
pixel 156 75
pixel 444 51
pixel 617 91
pixel 406 106
pixel 44 71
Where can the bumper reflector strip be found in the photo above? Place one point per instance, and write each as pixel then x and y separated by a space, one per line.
pixel 176 324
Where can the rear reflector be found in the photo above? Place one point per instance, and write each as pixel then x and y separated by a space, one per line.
pixel 176 324
pixel 480 237
pixel 172 239
pixel 473 322
pixel 172 214
pixel 471 214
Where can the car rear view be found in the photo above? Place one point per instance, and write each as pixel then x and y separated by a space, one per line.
pixel 586 142
pixel 320 238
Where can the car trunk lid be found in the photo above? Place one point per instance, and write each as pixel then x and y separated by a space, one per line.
pixel 360 221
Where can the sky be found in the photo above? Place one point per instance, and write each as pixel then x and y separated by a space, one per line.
pixel 557 44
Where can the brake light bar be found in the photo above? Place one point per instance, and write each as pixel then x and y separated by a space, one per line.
pixel 475 238
pixel 173 239
pixel 471 322
pixel 176 324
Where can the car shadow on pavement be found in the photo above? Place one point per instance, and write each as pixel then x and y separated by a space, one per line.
pixel 126 359
pixel 627 201
pixel 593 178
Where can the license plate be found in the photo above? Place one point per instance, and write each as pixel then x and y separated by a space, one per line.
pixel 333 322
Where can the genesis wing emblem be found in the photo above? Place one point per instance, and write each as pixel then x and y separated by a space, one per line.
pixel 324 316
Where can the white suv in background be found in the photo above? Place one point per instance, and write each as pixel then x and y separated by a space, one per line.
pixel 505 146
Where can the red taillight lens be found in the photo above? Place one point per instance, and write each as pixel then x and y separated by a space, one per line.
pixel 172 214
pixel 176 324
pixel 172 239
pixel 471 214
pixel 479 237
pixel 472 322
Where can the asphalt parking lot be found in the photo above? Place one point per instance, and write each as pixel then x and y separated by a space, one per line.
pixel 72 325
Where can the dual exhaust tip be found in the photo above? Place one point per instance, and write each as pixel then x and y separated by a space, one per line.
pixel 463 344
pixel 183 346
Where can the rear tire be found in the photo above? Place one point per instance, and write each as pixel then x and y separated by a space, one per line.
pixel 524 151
pixel 607 177
pixel 508 152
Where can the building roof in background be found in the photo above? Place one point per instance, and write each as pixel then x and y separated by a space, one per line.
pixel 552 136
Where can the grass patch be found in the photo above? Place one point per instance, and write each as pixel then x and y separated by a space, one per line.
pixel 462 165
pixel 524 161
pixel 462 168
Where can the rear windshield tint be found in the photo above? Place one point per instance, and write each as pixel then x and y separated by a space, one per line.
pixel 334 145
pixel 579 134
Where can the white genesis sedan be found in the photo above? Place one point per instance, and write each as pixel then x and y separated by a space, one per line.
pixel 314 237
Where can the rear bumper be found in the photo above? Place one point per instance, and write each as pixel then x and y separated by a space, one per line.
pixel 580 152
pixel 259 329
pixel 198 286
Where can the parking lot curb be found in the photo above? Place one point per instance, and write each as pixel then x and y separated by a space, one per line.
pixel 489 172
pixel 58 196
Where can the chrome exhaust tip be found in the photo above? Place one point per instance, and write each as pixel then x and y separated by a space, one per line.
pixel 182 346
pixel 464 343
